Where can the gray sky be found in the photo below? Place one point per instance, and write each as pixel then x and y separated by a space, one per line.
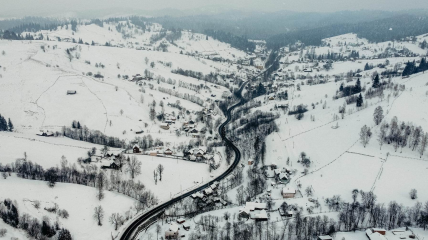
pixel 57 7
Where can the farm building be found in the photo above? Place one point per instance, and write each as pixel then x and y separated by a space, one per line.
pixel 71 92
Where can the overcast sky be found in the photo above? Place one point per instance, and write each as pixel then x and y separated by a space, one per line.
pixel 58 7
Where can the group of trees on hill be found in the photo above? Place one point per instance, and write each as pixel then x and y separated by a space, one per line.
pixel 6 125
pixel 402 135
pixel 83 133
pixel 239 42
pixel 211 77
pixel 10 215
pixel 369 213
pixel 411 67
pixel 351 89
pixel 90 176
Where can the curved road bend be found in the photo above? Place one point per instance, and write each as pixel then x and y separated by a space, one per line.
pixel 132 230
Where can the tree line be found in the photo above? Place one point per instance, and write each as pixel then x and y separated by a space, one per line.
pixel 90 176
pixel 83 133
pixel 411 67
pixel 365 212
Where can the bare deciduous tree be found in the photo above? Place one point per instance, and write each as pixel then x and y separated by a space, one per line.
pixel 378 115
pixel 134 167
pixel 117 220
pixel 382 134
pixel 99 215
pixel 160 170
pixel 365 135
pixel 413 194
pixel 101 182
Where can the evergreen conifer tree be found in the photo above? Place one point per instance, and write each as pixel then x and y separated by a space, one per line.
pixel 10 126
pixel 360 101
pixel 357 87
pixel 376 82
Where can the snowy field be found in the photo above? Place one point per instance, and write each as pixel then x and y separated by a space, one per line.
pixel 78 200
pixel 339 162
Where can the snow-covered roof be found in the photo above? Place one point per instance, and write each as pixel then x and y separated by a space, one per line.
pixel 254 205
pixel 208 191
pixel 377 236
pixel 283 176
pixel 197 195
pixel 326 237
pixel 173 227
pixel 262 214
pixel 288 190
pixel 186 225
pixel 378 230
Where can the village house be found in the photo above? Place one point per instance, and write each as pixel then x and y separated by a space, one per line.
pixel 244 213
pixel 254 210
pixel 282 177
pixel 168 152
pixel 197 195
pixel 45 133
pixel 172 232
pixel 376 235
pixel 153 153
pixel 208 191
pixel 379 230
pixel 113 165
pixel 186 226
pixel 288 192
pixel 136 149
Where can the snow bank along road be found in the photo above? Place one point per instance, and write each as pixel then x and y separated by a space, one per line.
pixel 132 230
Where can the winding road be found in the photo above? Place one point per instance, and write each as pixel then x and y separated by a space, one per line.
pixel 132 230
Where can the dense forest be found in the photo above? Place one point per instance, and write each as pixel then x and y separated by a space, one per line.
pixel 396 27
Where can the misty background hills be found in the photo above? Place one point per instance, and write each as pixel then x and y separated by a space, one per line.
pixel 236 27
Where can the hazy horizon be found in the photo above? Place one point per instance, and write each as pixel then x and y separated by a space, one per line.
pixel 78 8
